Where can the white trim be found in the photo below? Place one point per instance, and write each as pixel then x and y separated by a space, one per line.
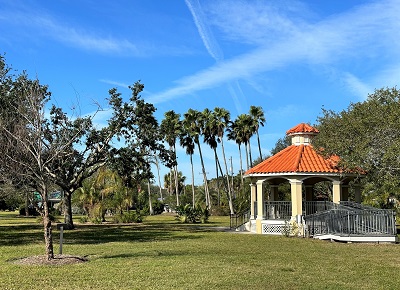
pixel 362 239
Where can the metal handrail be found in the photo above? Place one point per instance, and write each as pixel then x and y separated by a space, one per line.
pixel 352 221
pixel 237 220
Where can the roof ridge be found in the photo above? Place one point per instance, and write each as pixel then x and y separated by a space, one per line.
pixel 296 164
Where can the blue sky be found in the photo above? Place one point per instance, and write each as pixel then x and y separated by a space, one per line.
pixel 290 57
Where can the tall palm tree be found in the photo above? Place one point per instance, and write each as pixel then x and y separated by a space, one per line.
pixel 193 122
pixel 234 134
pixel 210 137
pixel 171 128
pixel 257 114
pixel 222 119
pixel 187 142
pixel 245 128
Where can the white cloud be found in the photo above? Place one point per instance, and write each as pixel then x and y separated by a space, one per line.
pixel 115 83
pixel 205 33
pixel 356 86
pixel 361 32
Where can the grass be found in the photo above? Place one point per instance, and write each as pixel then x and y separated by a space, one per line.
pixel 160 253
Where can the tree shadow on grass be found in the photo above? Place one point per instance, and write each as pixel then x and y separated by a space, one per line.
pixel 17 235
pixel 167 229
pixel 147 254
pixel 97 234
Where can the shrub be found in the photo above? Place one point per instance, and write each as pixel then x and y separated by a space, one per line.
pixel 31 210
pixel 128 217
pixel 188 214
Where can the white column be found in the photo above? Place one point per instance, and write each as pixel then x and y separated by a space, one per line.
pixel 297 198
pixel 253 199
pixel 260 200
pixel 337 194
pixel 260 206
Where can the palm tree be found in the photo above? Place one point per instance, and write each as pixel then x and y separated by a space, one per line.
pixel 222 119
pixel 210 134
pixel 235 135
pixel 171 128
pixel 193 122
pixel 187 142
pixel 245 129
pixel 257 114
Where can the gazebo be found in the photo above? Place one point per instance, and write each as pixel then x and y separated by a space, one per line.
pixel 303 167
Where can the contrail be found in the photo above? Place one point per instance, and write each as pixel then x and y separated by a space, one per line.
pixel 204 31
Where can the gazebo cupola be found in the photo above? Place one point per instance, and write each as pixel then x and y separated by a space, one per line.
pixel 302 134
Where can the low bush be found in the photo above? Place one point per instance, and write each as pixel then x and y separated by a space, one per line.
pixel 128 217
pixel 188 214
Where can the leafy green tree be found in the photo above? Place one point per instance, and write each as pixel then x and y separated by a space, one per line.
pixel 367 135
pixel 142 137
pixel 281 144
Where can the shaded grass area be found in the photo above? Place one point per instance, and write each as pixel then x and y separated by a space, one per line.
pixel 163 254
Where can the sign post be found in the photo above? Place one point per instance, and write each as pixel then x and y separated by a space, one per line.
pixel 60 227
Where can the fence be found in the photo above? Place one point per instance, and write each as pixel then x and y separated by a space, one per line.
pixel 358 220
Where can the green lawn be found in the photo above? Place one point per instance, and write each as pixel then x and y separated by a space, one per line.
pixel 163 254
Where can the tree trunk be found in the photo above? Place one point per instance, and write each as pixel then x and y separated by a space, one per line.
pixel 48 235
pixel 228 192
pixel 150 203
pixel 230 189
pixel 241 166
pixel 68 211
pixel 159 179
pixel 251 159
pixel 176 185
pixel 193 194
pixel 247 156
pixel 207 194
pixel 259 145
pixel 216 170
pixel 27 204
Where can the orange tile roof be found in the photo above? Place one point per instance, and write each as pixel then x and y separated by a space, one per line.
pixel 302 128
pixel 301 158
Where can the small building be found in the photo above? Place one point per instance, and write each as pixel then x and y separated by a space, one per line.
pixel 303 167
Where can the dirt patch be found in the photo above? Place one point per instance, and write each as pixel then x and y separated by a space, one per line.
pixel 58 260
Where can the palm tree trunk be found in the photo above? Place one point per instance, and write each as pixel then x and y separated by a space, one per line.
pixel 230 189
pixel 241 165
pixel 247 156
pixel 176 180
pixel 251 160
pixel 216 170
pixel 193 194
pixel 159 179
pixel 176 186
pixel 207 194
pixel 259 145
pixel 228 192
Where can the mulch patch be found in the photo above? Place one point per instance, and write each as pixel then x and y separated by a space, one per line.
pixel 58 260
